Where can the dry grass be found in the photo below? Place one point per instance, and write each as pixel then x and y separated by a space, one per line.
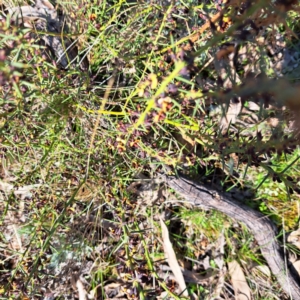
pixel 80 214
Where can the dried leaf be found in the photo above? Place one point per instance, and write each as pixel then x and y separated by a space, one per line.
pixel 5 187
pixel 44 4
pixel 206 263
pixel 113 289
pixel 253 106
pixel 232 113
pixel 171 258
pixel 273 122
pixel 219 261
pixel 294 238
pixel 22 14
pixel 190 276
pixel 81 290
pixel 296 265
pixel 185 140
pixel 240 285
pixel 264 269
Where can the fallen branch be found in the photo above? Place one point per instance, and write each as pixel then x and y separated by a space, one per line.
pixel 262 228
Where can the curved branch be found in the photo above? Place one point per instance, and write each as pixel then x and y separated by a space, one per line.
pixel 262 228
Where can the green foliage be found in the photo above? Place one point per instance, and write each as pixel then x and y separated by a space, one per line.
pixel 78 140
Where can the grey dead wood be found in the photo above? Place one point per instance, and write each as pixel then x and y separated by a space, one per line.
pixel 44 19
pixel 262 228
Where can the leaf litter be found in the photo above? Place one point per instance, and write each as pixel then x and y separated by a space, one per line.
pixel 230 115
